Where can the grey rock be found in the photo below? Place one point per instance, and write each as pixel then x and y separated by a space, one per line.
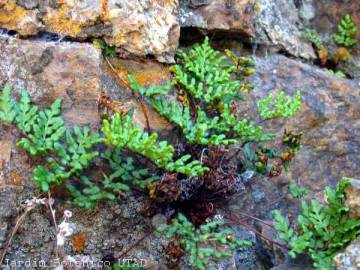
pixel 279 28
pixel 307 11
pixel 349 259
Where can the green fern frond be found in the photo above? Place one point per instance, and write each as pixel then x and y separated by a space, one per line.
pixel 122 133
pixel 27 113
pixel 73 157
pixel 347 29
pixel 91 193
pixel 124 169
pixel 7 106
pixel 322 230
pixel 202 244
pixel 46 129
pixel 283 106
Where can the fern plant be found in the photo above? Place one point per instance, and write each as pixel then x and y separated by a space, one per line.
pixel 202 244
pixel 7 106
pixel 282 106
pixel 43 128
pixel 320 231
pixel 120 132
pixel 124 169
pixel 71 158
pixel 105 49
pixel 44 134
pixel 313 37
pixel 339 74
pixel 347 29
pixel 211 85
pixel 88 193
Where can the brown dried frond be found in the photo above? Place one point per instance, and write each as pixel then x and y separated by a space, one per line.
pixel 107 106
pixel 168 189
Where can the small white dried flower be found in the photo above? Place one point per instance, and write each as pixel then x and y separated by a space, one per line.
pixel 41 201
pixel 67 214
pixel 65 230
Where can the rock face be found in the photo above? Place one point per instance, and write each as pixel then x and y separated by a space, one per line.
pixel 232 16
pixel 50 70
pixel 135 28
pixel 75 73
pixel 278 27
pixel 325 22
pixel 329 119
pixel 349 259
pixel 261 22
pixel 353 198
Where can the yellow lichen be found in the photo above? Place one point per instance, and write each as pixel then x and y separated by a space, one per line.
pixel 60 21
pixel 13 17
pixel 143 74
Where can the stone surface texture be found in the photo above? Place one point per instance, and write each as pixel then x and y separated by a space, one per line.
pixel 329 118
pixel 349 259
pixel 135 28
pixel 50 70
pixel 261 22
pixel 353 198
pixel 325 22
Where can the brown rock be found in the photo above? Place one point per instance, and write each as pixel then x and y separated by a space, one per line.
pixel 326 21
pixel 145 73
pixel 233 16
pixel 329 118
pixel 135 28
pixel 49 70
pixel 5 151
pixel 259 22
pixel 353 199
pixel 75 73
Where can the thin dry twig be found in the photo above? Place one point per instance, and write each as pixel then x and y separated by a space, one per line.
pixel 17 225
pixel 139 98
pixel 135 244
pixel 240 222
pixel 50 202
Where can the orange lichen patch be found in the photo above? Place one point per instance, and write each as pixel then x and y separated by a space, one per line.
pixel 342 54
pixel 14 179
pixel 60 22
pixel 14 17
pixel 145 74
pixel 78 242
pixel 105 10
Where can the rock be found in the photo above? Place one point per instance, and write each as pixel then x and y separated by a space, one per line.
pixel 220 15
pixel 50 70
pixel 329 118
pixel 307 11
pixel 260 22
pixel 75 73
pixel 279 28
pixel 349 259
pixel 353 198
pixel 246 258
pixel 325 23
pixel 5 152
pixel 134 28
pixel 15 17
